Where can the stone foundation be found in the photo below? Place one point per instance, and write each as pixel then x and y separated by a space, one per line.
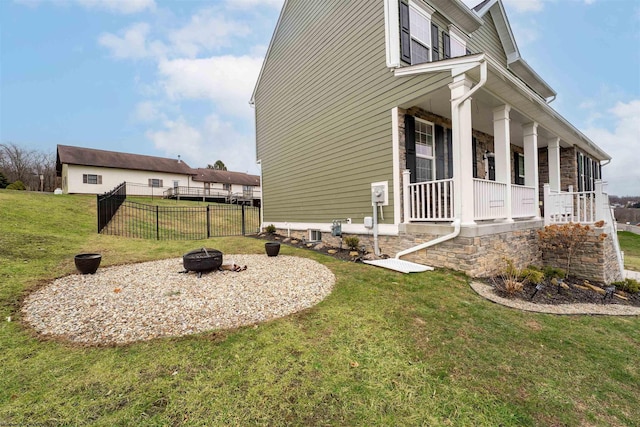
pixel 482 251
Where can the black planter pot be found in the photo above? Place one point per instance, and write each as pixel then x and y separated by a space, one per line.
pixel 272 248
pixel 87 263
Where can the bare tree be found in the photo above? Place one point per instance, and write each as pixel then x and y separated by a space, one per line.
pixel 36 169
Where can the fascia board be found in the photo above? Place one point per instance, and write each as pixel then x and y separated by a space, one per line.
pixel 547 109
pixel 474 22
pixel 524 71
pixel 266 56
pixel 458 65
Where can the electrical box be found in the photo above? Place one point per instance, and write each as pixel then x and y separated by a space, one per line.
pixel 368 222
pixel 380 193
pixel 336 228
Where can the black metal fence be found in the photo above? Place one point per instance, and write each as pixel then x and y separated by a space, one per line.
pixel 109 203
pixel 138 220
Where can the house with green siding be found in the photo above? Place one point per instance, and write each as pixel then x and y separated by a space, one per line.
pixel 418 126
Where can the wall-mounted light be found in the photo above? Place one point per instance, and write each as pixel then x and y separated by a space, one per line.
pixel 488 154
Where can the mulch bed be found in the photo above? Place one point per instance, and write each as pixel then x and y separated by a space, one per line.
pixel 553 294
pixel 343 253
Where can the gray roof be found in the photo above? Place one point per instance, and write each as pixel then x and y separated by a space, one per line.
pixel 112 159
pixel 225 177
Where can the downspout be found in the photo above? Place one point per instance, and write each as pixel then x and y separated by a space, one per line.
pixel 455 105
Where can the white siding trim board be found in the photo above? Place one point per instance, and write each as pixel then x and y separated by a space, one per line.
pixel 325 227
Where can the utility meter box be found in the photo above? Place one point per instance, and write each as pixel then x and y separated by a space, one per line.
pixel 368 222
pixel 380 193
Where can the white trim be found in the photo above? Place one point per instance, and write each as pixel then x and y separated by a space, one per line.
pixel 325 227
pixel 455 65
pixel 395 147
pixel 392 32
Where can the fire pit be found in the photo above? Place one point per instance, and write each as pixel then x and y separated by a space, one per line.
pixel 201 260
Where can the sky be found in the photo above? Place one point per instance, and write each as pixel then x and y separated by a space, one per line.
pixel 169 78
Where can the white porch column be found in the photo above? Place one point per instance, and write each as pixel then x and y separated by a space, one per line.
pixel 554 163
pixel 462 150
pixel 502 149
pixel 530 136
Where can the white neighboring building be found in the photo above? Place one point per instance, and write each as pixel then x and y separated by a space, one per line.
pixel 91 171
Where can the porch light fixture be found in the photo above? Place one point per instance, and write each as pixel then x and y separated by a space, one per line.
pixel 488 154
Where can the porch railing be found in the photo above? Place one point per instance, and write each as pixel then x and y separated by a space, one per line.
pixel 524 201
pixel 490 199
pixel 430 201
pixel 572 206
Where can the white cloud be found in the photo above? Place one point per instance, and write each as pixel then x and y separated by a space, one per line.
pixel 247 4
pixel 622 142
pixel 119 6
pixel 132 44
pixel 147 111
pixel 215 139
pixel 208 30
pixel 226 80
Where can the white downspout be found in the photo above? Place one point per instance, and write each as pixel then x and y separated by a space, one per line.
pixel 455 105
pixel 456 231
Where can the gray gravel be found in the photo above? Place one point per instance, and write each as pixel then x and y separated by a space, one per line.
pixel 138 302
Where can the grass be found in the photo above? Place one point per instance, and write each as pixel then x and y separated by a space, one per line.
pixel 630 244
pixel 382 349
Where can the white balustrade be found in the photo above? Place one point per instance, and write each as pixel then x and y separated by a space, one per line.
pixel 490 199
pixel 524 201
pixel 431 201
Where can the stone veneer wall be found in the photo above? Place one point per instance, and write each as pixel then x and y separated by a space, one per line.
pixel 568 169
pixel 594 259
pixel 482 253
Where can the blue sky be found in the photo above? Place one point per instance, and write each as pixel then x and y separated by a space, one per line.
pixel 170 78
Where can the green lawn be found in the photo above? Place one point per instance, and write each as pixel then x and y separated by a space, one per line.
pixel 630 244
pixel 382 349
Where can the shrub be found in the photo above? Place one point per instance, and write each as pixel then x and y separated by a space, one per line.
pixel 3 181
pixel 18 185
pixel 271 229
pixel 352 242
pixel 564 238
pixel 554 273
pixel 628 285
pixel 531 275
pixel 510 278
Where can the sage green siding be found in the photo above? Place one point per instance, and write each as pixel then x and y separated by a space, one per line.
pixel 485 39
pixel 323 111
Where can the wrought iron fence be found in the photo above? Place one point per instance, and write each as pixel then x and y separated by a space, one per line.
pixel 138 220
pixel 109 203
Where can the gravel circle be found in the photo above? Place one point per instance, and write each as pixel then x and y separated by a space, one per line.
pixel 137 302
pixel 606 309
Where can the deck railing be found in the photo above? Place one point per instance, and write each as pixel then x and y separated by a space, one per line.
pixel 572 206
pixel 430 201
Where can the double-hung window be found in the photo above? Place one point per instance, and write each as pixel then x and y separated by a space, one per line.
pixel 91 179
pixel 424 151
pixel 154 182
pixel 415 37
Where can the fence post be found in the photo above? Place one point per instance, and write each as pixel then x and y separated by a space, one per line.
pixel 208 224
pixel 243 227
pixel 157 223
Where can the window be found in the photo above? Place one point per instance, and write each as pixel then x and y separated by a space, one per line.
pixel 588 172
pixel 415 33
pixel 247 191
pixel 176 184
pixel 91 179
pixel 446 46
pixel 519 168
pixel 424 151
pixel 315 236
pixel 155 182
pixel 435 43
pixel 226 187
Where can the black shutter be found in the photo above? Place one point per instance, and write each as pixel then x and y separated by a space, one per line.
pixel 410 144
pixel 474 150
pixel 84 178
pixel 446 45
pixel 405 33
pixel 580 172
pixel 439 142
pixel 435 43
pixel 449 154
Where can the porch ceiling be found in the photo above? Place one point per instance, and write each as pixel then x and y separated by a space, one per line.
pixel 526 107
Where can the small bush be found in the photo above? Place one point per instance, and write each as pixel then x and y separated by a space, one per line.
pixel 628 285
pixel 352 242
pixel 18 185
pixel 554 273
pixel 531 275
pixel 510 278
pixel 3 181
pixel 271 229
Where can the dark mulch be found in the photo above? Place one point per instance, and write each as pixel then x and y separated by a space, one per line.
pixel 553 294
pixel 343 253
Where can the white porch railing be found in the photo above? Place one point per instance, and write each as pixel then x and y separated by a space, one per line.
pixel 430 201
pixel 490 199
pixel 572 206
pixel 524 201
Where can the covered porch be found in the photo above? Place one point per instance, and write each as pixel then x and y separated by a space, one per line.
pixel 496 131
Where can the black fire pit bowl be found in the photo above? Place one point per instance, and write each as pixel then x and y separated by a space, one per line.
pixel 87 263
pixel 201 260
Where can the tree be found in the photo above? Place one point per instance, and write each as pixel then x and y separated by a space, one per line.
pixel 3 181
pixel 36 169
pixel 218 165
